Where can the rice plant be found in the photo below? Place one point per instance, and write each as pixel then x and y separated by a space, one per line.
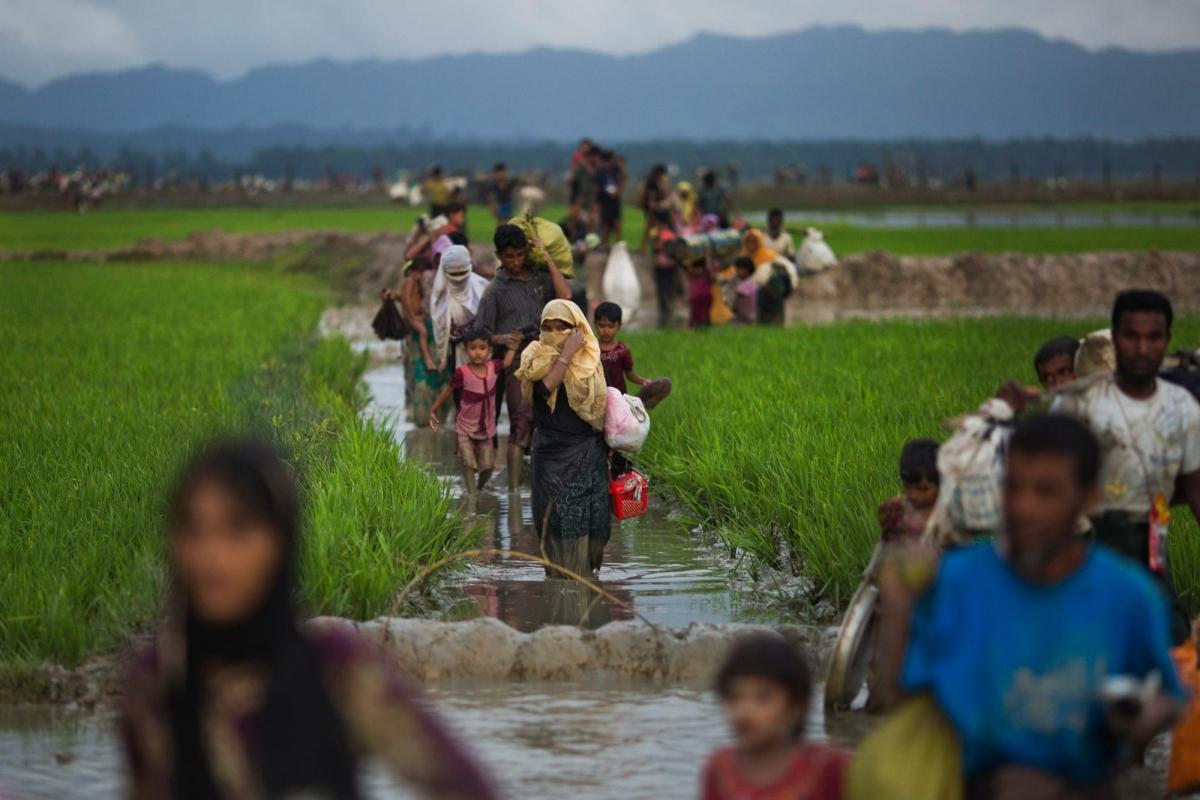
pixel 114 374
pixel 785 441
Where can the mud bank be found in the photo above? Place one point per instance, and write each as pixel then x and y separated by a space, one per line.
pixel 881 284
pixel 485 648
pixel 358 264
pixel 876 284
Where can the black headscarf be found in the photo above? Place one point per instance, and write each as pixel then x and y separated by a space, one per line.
pixel 299 743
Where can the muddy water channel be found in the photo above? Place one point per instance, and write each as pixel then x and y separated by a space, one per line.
pixel 560 739
pixel 655 568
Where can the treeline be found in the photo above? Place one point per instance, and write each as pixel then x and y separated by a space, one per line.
pixel 1167 160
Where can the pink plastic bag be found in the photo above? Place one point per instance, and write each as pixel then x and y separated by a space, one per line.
pixel 626 422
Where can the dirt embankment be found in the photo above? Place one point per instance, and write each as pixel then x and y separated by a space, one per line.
pixel 881 284
pixel 359 264
pixel 485 649
pixel 875 284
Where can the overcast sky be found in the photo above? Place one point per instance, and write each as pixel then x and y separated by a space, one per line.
pixel 43 39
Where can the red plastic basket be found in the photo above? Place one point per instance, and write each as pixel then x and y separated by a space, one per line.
pixel 630 495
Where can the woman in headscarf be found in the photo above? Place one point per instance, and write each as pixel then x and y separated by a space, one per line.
pixel 775 275
pixel 685 203
pixel 423 378
pixel 232 698
pixel 562 376
pixel 453 304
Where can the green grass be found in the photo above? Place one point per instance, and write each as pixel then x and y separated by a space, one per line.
pixel 847 239
pixel 114 374
pixel 102 229
pixel 785 441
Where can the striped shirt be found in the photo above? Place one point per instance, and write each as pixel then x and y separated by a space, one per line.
pixel 511 305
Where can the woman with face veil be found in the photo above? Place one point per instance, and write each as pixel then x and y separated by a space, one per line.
pixel 562 377
pixel 232 698
pixel 454 302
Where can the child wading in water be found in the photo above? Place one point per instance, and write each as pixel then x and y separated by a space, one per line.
pixel 904 518
pixel 475 424
pixel 765 687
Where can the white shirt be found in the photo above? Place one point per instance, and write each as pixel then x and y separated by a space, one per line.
pixel 1146 444
pixel 781 244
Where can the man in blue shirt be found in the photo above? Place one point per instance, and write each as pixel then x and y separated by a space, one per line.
pixel 1017 639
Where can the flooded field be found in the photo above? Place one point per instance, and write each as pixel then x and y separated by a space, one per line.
pixel 987 218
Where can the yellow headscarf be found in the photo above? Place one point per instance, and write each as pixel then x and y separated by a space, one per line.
pixel 687 201
pixel 584 379
pixel 758 252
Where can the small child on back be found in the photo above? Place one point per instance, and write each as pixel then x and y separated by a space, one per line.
pixel 1054 362
pixel 765 688
pixel 475 424
pixel 904 518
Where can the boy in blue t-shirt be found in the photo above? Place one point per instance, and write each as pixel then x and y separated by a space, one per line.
pixel 1023 641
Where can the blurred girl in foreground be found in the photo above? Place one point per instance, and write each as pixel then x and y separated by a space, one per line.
pixel 232 699
pixel 764 688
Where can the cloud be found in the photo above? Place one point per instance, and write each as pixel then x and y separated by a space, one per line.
pixel 40 39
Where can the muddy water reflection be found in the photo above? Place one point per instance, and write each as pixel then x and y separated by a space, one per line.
pixel 653 565
pixel 597 740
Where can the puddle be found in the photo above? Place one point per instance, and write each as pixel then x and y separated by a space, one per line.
pixel 987 218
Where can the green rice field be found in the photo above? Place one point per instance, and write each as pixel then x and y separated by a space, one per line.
pixel 101 229
pixel 785 441
pixel 114 374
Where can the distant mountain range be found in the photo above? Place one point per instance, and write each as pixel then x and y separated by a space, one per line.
pixel 822 82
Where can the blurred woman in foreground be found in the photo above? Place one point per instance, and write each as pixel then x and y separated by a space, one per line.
pixel 233 699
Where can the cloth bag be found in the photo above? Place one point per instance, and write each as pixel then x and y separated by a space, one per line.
pixel 971 466
pixel 815 254
pixel 555 240
pixel 389 323
pixel 914 754
pixel 626 422
pixel 620 283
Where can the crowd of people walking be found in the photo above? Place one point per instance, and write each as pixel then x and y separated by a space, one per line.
pixel 1028 627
